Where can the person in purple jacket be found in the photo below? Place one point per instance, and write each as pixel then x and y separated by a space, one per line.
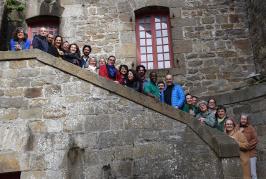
pixel 19 40
pixel 173 94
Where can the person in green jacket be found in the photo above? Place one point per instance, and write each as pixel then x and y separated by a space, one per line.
pixel 220 118
pixel 205 116
pixel 150 87
pixel 189 107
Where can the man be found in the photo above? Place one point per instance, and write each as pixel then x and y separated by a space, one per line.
pixel 161 86
pixel 189 107
pixel 220 117
pixel 250 133
pixel 109 71
pixel 86 50
pixel 50 39
pixel 194 100
pixel 205 116
pixel 40 40
pixel 141 71
pixel 173 94
pixel 150 88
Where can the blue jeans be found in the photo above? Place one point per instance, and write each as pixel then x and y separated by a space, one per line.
pixel 253 172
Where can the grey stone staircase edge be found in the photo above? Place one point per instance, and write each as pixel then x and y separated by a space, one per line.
pixel 222 145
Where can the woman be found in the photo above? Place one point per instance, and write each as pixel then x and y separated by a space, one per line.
pixel 73 56
pixel 123 71
pixel 230 129
pixel 56 50
pixel 65 47
pixel 109 70
pixel 92 65
pixel 132 81
pixel 189 107
pixel 19 40
pixel 102 61
pixel 204 114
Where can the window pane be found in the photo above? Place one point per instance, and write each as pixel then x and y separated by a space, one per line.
pixel 149 49
pixel 141 26
pixel 167 64
pixel 160 57
pixel 148 41
pixel 164 26
pixel 141 20
pixel 159 49
pixel 160 64
pixel 165 40
pixel 142 34
pixel 164 19
pixel 142 42
pixel 165 33
pixel 150 65
pixel 159 41
pixel 158 33
pixel 150 58
pixel 148 34
pixel 157 19
pixel 158 26
pixel 144 64
pixel 143 58
pixel 166 56
pixel 143 50
pixel 148 19
pixel 148 27
pixel 165 48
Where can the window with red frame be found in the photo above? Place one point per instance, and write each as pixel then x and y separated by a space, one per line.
pixel 50 23
pixel 154 49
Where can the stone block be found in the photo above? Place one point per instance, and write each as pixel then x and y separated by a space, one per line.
pixel 88 140
pixel 52 90
pixel 15 102
pixel 115 138
pixel 33 92
pixel 54 112
pixel 9 162
pixel 54 126
pixel 18 64
pixel 37 127
pixel 20 82
pixel 32 113
pixel 8 114
pixel 29 72
pixel 182 46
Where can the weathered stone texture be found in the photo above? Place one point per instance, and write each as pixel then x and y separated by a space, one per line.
pixel 71 128
pixel 257 22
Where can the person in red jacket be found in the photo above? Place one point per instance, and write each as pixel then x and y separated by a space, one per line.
pixel 109 70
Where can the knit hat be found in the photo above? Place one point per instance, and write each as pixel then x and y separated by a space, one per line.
pixel 202 102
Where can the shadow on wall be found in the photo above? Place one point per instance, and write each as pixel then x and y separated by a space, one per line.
pixel 8 24
pixel 51 7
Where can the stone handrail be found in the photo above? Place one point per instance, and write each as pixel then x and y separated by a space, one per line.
pixel 221 144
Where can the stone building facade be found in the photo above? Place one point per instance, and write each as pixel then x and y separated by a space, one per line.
pixel 211 50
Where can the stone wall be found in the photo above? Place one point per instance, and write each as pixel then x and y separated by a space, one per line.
pixel 60 121
pixel 212 49
pixel 258 33
pixel 250 100
pixel 211 44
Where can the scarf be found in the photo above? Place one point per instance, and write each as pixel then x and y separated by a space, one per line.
pixel 111 71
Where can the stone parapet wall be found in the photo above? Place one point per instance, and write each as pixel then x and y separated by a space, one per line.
pixel 60 121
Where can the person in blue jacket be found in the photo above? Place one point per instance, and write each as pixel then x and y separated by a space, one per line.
pixel 19 40
pixel 173 94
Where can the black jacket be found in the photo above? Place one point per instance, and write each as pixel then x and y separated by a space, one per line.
pixel 40 42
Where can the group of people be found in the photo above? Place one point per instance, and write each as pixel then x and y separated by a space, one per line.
pixel 207 112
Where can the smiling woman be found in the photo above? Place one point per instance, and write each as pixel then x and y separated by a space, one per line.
pixel 19 40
